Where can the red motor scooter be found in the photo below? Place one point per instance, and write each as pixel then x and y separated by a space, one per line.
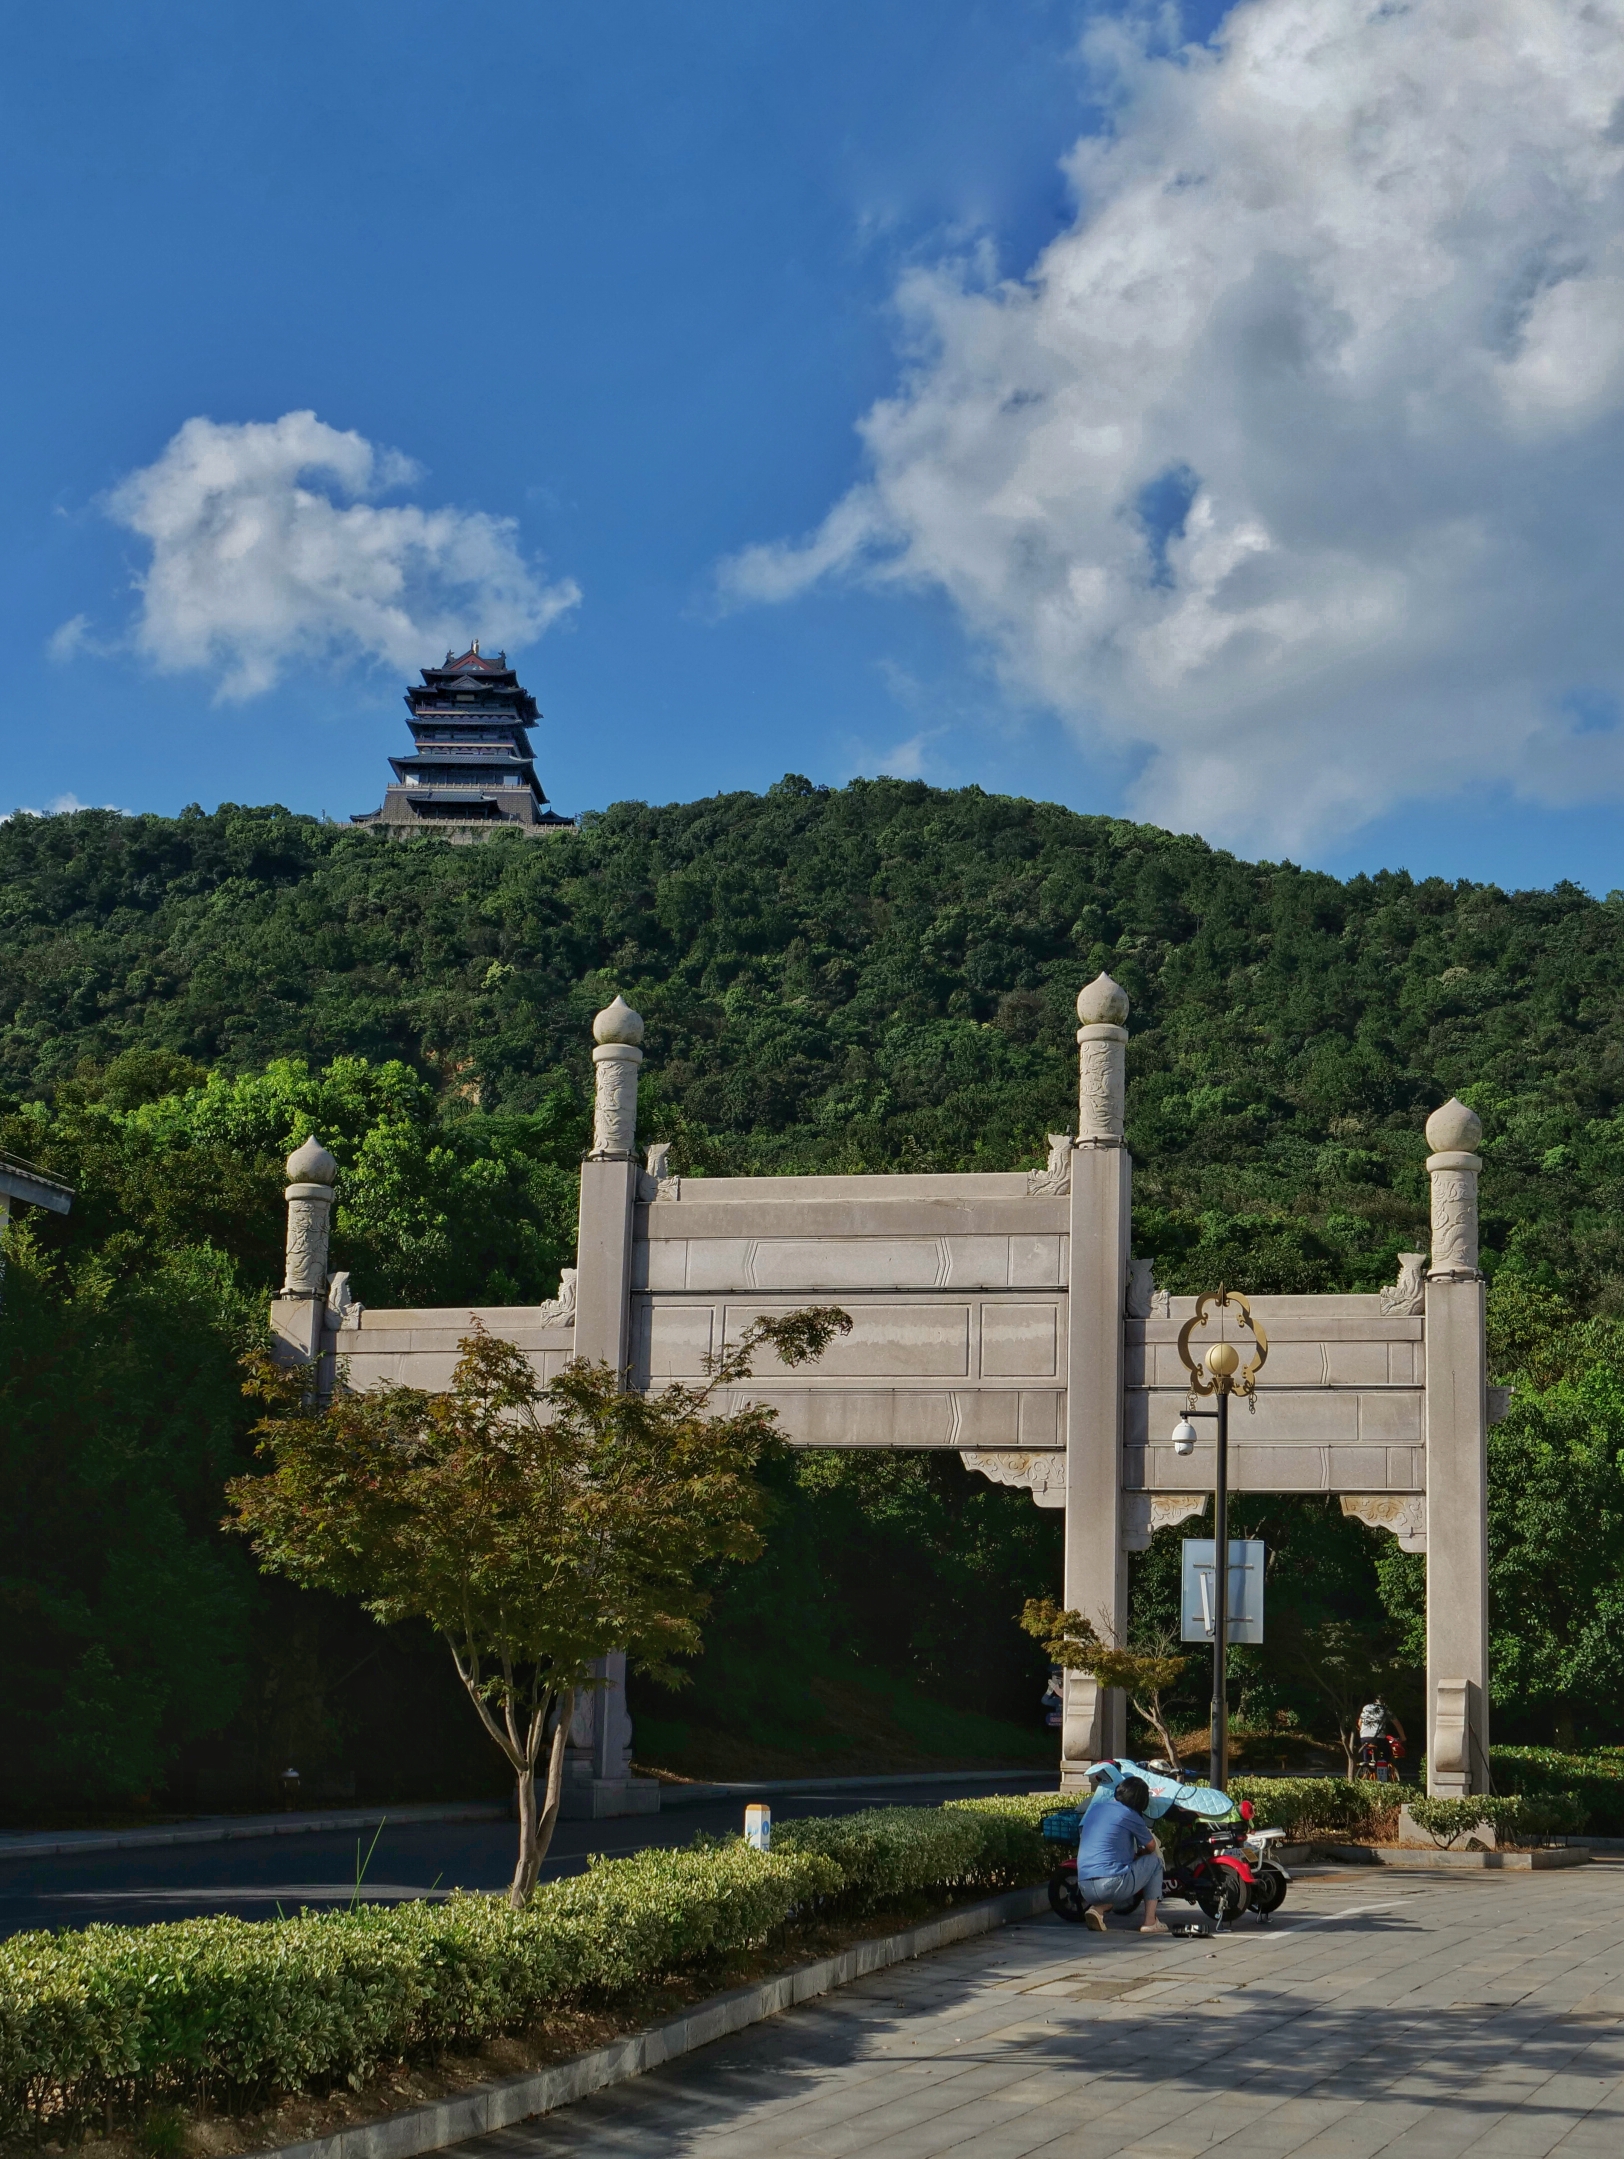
pixel 1223 1868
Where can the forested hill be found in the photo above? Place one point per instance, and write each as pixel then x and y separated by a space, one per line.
pixel 873 977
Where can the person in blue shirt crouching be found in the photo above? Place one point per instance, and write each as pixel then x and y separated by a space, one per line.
pixel 1118 1858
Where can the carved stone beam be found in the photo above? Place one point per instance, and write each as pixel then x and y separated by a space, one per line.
pixel 1055 1176
pixel 1408 1295
pixel 655 1180
pixel 1043 1475
pixel 1404 1513
pixel 1145 1300
pixel 1143 1513
pixel 560 1312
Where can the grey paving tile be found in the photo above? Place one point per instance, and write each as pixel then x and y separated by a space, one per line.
pixel 1480 2020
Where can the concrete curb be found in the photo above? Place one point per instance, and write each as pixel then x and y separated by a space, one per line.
pixel 1425 1856
pixel 697 1795
pixel 516 2099
pixel 228 1828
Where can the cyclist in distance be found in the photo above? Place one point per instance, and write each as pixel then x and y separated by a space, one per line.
pixel 1382 1740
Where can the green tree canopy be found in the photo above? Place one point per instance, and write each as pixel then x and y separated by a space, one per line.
pixel 124 1624
pixel 534 1528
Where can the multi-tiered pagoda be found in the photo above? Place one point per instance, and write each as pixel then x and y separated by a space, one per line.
pixel 471 771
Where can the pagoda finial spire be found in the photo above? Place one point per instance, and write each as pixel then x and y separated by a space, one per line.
pixel 474 648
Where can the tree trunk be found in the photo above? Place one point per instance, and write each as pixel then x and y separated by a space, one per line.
pixel 555 1773
pixel 1155 1717
pixel 536 1825
pixel 522 1887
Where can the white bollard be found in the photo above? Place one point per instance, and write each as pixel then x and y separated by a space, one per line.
pixel 758 1828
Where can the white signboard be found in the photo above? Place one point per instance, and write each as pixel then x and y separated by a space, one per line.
pixel 1245 1590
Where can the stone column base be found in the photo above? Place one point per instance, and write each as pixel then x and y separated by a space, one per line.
pixel 593 1799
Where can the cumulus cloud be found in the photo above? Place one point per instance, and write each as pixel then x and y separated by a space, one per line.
pixel 902 761
pixel 269 549
pixel 68 638
pixel 60 806
pixel 1294 464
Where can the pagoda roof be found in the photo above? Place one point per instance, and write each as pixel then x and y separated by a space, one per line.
pixel 493 683
pixel 475 670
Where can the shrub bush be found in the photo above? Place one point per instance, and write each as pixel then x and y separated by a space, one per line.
pixel 887 1854
pixel 1306 1807
pixel 111 2020
pixel 1514 1818
pixel 1595 1780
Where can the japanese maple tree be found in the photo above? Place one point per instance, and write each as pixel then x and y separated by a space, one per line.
pixel 536 1528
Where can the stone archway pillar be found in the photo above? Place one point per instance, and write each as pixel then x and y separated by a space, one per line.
pixel 299 1309
pixel 1096 1565
pixel 598 1780
pixel 609 1193
pixel 1457 1468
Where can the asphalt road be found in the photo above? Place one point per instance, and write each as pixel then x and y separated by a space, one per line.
pixel 257 1878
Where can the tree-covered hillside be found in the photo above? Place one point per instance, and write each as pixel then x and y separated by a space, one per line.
pixel 876 977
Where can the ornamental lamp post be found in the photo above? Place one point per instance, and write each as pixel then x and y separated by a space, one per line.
pixel 1220 1374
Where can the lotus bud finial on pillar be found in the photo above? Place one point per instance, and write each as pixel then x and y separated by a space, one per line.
pixel 1453 1133
pixel 617 1030
pixel 1102 1043
pixel 312 1172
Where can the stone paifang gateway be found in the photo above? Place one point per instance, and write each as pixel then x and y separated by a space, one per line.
pixel 1002 1315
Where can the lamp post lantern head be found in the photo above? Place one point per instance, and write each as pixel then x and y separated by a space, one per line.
pixel 1219 1370
pixel 1222 1359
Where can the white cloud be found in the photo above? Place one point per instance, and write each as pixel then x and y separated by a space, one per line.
pixel 903 761
pixel 60 806
pixel 68 638
pixel 255 565
pixel 1347 291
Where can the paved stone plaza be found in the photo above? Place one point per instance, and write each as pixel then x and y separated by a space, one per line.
pixel 1481 2014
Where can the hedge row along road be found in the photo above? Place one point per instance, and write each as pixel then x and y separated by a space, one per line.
pixel 250 1879
pixel 96 2026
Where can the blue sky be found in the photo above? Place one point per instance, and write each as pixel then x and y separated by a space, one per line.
pixel 690 324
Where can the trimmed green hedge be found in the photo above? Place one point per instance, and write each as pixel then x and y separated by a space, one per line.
pixel 104 2022
pixel 887 1854
pixel 1303 1807
pixel 1515 1818
pixel 1306 1807
pixel 1595 1780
